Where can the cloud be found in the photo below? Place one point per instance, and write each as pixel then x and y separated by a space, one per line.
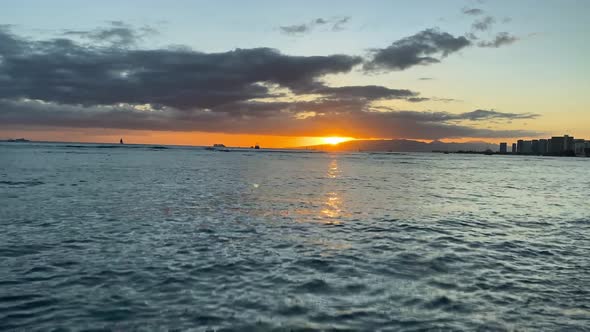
pixel 295 29
pixel 116 34
pixel 445 100
pixel 328 118
pixel 425 78
pixel 10 44
pixel 481 114
pixel 336 23
pixel 370 92
pixel 501 39
pixel 62 71
pixel 472 11
pixel 421 99
pixel 63 83
pixel 423 48
pixel 483 24
pixel 476 115
pixel 418 99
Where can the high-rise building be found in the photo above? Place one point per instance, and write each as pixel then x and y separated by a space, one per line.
pixel 579 147
pixel 556 145
pixel 519 146
pixel 527 147
pixel 503 147
pixel 569 143
pixel 542 146
pixel 535 146
pixel 561 145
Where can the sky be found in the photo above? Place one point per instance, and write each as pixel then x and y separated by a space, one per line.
pixel 291 73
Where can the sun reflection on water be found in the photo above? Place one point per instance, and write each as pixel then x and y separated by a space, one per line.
pixel 332 205
pixel 333 170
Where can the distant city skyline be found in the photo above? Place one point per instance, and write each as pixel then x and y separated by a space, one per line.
pixel 565 145
pixel 295 73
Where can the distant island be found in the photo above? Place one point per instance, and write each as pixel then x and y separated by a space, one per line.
pixel 403 145
pixel 16 140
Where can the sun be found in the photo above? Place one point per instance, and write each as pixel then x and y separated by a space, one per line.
pixel 334 140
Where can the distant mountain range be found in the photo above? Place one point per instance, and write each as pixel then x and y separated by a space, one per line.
pixel 404 145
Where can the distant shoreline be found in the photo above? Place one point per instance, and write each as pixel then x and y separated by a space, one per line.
pixel 315 149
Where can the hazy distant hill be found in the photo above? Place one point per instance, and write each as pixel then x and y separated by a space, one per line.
pixel 402 145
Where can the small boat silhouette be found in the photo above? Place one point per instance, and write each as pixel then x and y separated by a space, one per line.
pixel 121 141
pixel 217 147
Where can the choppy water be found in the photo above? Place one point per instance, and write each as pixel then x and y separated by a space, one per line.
pixel 137 238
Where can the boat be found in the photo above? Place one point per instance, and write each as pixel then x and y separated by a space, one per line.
pixel 121 141
pixel 217 147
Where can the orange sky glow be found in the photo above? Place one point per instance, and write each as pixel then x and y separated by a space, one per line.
pixel 167 137
pixel 189 138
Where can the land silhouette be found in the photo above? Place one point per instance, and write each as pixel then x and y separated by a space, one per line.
pixel 403 145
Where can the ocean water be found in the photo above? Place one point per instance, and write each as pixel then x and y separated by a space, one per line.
pixel 142 238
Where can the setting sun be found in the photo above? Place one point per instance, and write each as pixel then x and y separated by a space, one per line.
pixel 335 140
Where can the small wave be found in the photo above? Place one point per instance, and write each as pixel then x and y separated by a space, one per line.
pixel 314 286
pixel 18 298
pixel 445 303
pixel 22 183
pixel 91 146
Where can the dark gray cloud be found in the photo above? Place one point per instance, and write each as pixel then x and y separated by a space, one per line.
pixel 471 36
pixel 418 99
pixel 64 83
pixel 335 23
pixel 492 114
pixel 10 44
pixel 370 92
pixel 501 39
pixel 483 24
pixel 423 48
pixel 62 71
pixel 425 78
pixel 472 11
pixel 333 118
pixel 296 29
pixel 476 115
